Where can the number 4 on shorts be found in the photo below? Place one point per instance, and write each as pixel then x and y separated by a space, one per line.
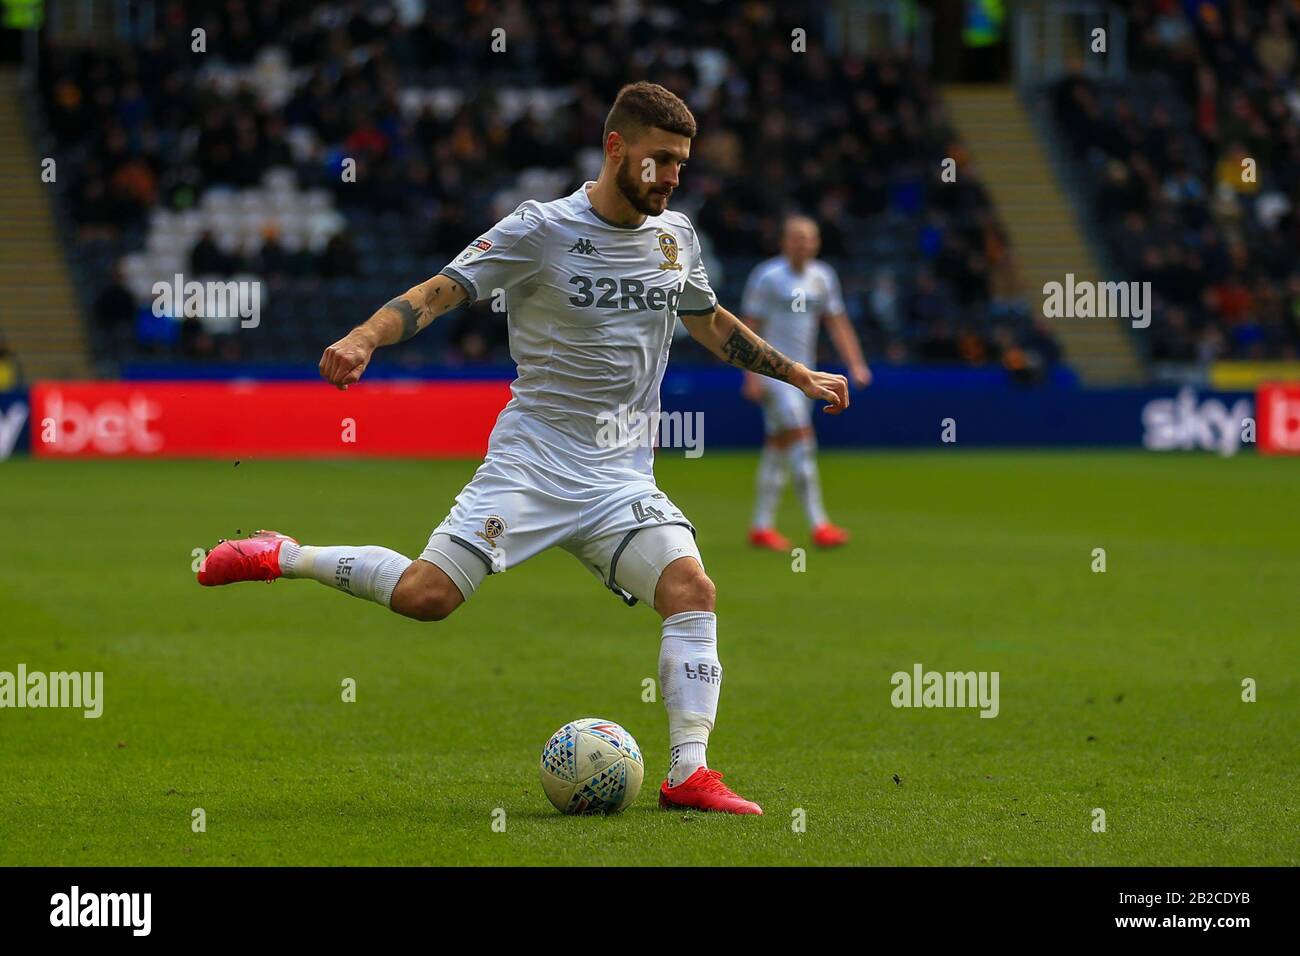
pixel 642 513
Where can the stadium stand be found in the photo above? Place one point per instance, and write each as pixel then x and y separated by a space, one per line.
pixel 1160 153
pixel 237 162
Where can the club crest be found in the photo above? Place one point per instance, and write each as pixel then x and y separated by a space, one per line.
pixel 668 246
pixel 493 528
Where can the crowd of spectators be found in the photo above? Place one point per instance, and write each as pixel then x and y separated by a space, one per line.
pixel 1194 165
pixel 855 142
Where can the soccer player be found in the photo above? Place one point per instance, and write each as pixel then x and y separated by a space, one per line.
pixel 785 300
pixel 594 283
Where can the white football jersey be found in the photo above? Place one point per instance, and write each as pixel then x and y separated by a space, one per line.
pixel 591 308
pixel 790 305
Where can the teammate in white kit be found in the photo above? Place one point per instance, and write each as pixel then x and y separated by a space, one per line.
pixel 594 283
pixel 785 300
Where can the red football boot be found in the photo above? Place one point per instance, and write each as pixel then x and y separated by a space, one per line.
pixel 769 538
pixel 829 536
pixel 704 790
pixel 255 558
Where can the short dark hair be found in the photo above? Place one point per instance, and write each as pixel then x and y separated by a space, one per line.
pixel 642 106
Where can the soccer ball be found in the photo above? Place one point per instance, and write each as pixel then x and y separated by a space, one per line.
pixel 591 766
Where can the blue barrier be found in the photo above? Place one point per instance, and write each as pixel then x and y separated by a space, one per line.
pixel 1005 416
pixel 15 410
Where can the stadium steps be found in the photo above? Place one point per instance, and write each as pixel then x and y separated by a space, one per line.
pixel 1047 238
pixel 40 318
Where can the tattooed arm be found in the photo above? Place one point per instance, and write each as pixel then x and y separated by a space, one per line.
pixel 752 387
pixel 396 321
pixel 735 343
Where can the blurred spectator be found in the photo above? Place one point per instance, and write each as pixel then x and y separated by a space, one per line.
pixel 207 258
pixel 1039 343
pixel 114 306
pixel 928 304
pixel 1173 341
pixel 273 260
pixel 340 258
pixel 939 345
pixel 884 302
pixel 10 370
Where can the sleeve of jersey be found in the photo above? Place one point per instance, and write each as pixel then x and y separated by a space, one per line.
pixel 834 297
pixel 505 256
pixel 697 296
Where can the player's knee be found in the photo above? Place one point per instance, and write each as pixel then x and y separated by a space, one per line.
pixel 696 592
pixel 434 604
pixel 787 437
pixel 425 593
pixel 684 587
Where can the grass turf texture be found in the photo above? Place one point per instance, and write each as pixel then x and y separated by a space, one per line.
pixel 1119 690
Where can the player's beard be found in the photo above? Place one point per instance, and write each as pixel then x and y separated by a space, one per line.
pixel 648 203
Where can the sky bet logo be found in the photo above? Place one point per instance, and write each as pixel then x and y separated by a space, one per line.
pixel 103 909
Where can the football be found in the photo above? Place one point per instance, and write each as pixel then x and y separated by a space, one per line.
pixel 591 766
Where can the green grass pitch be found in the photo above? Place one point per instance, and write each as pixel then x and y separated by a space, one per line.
pixel 1120 691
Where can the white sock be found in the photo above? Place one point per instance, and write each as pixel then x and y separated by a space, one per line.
pixel 690 678
pixel 365 571
pixel 684 760
pixel 771 482
pixel 807 483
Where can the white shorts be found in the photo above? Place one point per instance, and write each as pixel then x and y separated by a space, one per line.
pixel 785 407
pixel 513 509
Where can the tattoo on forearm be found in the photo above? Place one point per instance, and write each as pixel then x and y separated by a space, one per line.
pixel 757 356
pixel 409 314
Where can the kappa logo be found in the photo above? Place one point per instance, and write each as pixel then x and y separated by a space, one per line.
pixel 583 247
pixel 493 528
